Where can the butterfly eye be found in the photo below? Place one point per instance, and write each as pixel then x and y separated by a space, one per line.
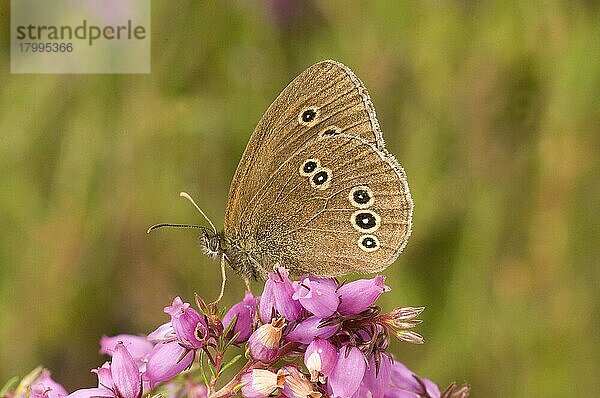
pixel 307 116
pixel 309 166
pixel 321 179
pixel 368 243
pixel 361 197
pixel 365 220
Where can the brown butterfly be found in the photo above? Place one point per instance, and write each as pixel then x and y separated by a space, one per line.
pixel 315 191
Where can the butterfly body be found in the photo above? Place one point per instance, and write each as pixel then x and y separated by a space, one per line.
pixel 316 190
pixel 244 255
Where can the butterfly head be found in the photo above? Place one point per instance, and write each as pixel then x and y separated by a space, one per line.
pixel 211 242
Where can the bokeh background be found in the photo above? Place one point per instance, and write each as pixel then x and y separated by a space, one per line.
pixel 493 108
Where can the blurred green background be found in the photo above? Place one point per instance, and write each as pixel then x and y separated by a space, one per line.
pixel 493 108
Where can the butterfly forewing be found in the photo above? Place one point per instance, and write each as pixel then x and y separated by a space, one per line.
pixel 316 189
pixel 340 101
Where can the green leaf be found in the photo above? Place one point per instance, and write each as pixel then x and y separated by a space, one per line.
pixel 230 363
pixel 9 384
pixel 238 387
pixel 230 342
pixel 27 380
pixel 231 324
pixel 202 372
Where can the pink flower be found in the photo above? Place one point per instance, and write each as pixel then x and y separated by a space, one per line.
pixel 189 325
pixel 320 358
pixel 377 382
pixel 264 342
pixel 319 298
pixel 120 379
pixel 261 383
pixel 359 295
pixel 163 334
pixel 138 346
pixel 348 372
pixel 309 329
pixel 405 383
pixel 45 387
pixel 277 297
pixel 244 311
pixel 166 361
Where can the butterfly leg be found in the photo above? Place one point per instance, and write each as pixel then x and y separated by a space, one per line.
pixel 247 282
pixel 223 280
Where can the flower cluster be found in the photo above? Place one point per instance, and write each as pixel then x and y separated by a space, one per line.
pixel 309 338
pixel 341 336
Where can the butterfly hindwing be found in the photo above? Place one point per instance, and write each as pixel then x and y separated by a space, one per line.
pixel 314 222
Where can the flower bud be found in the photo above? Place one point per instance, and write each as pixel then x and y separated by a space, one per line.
pixel 261 383
pixel 264 342
pixel 357 296
pixel 319 298
pixel 320 358
pixel 244 311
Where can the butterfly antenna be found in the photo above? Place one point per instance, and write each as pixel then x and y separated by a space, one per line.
pixel 188 197
pixel 161 225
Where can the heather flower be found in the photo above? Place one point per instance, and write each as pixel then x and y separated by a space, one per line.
pixel 347 373
pixel 163 333
pixel 138 346
pixel 266 303
pixel 189 325
pixel 357 296
pixel 176 342
pixel 244 313
pixel 264 342
pixel 296 384
pixel 120 379
pixel 277 298
pixel 318 297
pixel 190 389
pixel 405 383
pixel 311 328
pixel 45 387
pixel 166 361
pixel 378 375
pixel 261 383
pixel 320 358
pixel 340 333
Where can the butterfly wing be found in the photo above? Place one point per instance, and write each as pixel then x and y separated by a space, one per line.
pixel 279 208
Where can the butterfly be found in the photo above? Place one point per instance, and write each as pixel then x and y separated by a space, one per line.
pixel 316 191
